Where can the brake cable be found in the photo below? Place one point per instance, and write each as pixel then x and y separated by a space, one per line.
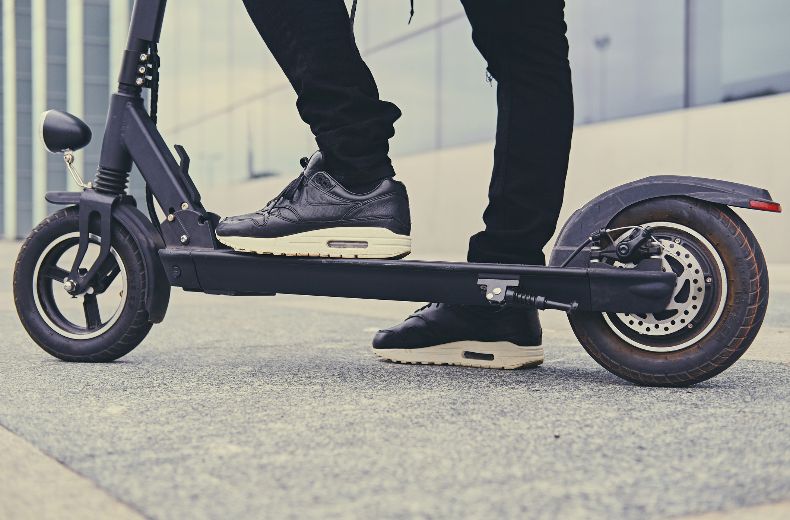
pixel 154 63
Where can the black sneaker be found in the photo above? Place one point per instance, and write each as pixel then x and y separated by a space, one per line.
pixel 483 337
pixel 316 216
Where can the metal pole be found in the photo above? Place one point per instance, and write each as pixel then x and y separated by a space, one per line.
pixel 40 83
pixel 75 73
pixel 687 55
pixel 9 123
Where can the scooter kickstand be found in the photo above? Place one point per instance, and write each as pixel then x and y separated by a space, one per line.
pixel 506 292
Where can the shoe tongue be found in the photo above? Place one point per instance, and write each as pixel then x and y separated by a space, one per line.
pixel 315 164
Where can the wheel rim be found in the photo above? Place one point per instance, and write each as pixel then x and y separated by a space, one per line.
pixel 61 312
pixel 697 301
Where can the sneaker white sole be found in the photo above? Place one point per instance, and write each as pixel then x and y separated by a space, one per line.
pixel 478 354
pixel 343 242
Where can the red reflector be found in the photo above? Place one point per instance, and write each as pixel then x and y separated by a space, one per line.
pixel 765 206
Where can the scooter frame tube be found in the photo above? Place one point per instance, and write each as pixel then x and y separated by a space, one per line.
pixel 602 288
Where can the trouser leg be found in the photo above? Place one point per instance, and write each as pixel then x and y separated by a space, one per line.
pixel 525 46
pixel 337 95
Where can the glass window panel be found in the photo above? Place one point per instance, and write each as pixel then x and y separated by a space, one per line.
pixel 24 124
pixel 24 59
pixel 23 160
pixel 250 59
pixel 468 100
pixel 627 57
pixel 25 192
pixel 24 93
pixel 97 59
pixel 738 49
pixel 406 75
pixel 56 174
pixel 381 21
pixel 56 40
pixel 57 76
pixel 56 9
pixel 279 137
pixel 755 43
pixel 97 17
pixel 449 8
pixel 96 98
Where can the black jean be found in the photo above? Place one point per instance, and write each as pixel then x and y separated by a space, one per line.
pixel 524 44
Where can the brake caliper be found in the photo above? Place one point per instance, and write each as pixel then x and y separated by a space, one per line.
pixel 632 247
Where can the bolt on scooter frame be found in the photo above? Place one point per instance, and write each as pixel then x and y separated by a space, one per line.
pixel 195 261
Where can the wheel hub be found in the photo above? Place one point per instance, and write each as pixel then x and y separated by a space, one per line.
pixel 687 298
pixel 69 286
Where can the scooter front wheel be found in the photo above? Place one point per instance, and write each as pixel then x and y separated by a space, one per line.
pixel 716 309
pixel 100 325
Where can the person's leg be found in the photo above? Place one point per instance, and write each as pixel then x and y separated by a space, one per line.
pixel 527 52
pixel 344 203
pixel 525 46
pixel 337 95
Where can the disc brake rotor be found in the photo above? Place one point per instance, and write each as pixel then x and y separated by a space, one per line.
pixel 686 301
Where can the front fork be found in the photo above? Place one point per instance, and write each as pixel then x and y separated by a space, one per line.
pixel 131 137
pixel 92 205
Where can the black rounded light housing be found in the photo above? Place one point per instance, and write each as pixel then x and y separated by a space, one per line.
pixel 62 131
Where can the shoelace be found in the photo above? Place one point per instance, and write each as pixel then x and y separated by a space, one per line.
pixel 354 13
pixel 290 191
pixel 426 306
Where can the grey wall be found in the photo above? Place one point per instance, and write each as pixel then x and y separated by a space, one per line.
pixel 629 59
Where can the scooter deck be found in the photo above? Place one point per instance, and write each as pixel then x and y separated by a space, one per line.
pixel 596 289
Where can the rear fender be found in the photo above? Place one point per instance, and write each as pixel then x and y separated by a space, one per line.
pixel 600 211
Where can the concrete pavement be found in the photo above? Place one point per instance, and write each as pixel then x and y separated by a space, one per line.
pixel 33 485
pixel 275 408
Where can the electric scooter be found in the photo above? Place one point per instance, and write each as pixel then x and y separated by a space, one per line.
pixel 663 283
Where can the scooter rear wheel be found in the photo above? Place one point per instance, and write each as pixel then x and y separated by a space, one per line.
pixel 715 313
pixel 101 325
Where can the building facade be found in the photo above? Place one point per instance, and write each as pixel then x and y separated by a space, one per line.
pixel 224 98
pixel 55 55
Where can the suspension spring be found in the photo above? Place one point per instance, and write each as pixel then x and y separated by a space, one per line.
pixel 111 182
pixel 517 297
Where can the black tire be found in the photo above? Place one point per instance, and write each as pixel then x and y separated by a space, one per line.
pixel 731 325
pixel 46 325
